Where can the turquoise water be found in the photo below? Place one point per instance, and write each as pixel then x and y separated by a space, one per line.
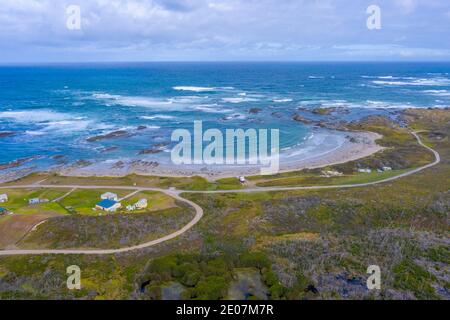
pixel 54 110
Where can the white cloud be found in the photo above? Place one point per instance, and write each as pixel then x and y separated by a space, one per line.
pixel 215 29
pixel 407 5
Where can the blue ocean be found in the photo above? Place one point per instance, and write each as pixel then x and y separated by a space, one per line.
pixel 59 114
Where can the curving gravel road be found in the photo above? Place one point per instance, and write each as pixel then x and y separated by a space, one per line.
pixel 198 210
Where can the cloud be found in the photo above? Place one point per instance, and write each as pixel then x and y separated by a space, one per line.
pixel 35 30
pixel 407 5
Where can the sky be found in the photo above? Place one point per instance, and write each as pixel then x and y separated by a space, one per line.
pixel 222 30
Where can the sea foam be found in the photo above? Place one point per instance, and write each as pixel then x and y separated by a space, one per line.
pixel 194 89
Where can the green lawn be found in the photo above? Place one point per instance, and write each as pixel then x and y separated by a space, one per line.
pixel 83 201
pixel 18 200
pixel 156 201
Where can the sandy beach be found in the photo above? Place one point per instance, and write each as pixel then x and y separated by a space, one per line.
pixel 354 145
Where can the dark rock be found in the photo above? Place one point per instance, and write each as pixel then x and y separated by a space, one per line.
pixel 150 151
pixel 323 111
pixel 111 135
pixel 4 134
pixel 254 110
pixel 82 163
pixel 301 119
pixel 277 114
pixel 17 163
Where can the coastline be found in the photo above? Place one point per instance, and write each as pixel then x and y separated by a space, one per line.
pixel 356 145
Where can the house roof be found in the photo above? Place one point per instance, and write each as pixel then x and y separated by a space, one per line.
pixel 2 209
pixel 108 194
pixel 106 203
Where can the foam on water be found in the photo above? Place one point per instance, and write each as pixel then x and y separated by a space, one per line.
pixel 157 117
pixel 414 82
pixel 238 100
pixel 194 89
pixel 33 116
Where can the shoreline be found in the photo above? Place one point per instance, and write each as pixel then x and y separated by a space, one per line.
pixel 356 145
pixel 328 147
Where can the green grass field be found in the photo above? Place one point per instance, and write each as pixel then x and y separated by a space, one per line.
pixel 156 201
pixel 18 200
pixel 83 201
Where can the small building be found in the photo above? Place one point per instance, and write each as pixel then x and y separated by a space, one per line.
pixel 3 198
pixel 108 205
pixel 3 211
pixel 387 169
pixel 109 196
pixel 365 170
pixel 141 204
pixel 242 179
pixel 37 201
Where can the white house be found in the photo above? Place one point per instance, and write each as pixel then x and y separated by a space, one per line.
pixel 242 179
pixel 365 170
pixel 141 204
pixel 387 169
pixel 3 198
pixel 108 205
pixel 37 201
pixel 109 196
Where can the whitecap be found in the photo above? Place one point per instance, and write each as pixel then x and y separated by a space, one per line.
pixel 414 82
pixel 282 100
pixel 132 101
pixel 238 100
pixel 194 89
pixel 34 116
pixel 211 108
pixel 157 116
pixel 441 93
